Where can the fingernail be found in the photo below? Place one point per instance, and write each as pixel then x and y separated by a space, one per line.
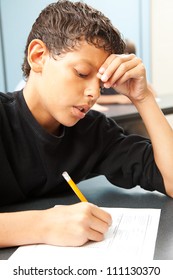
pixel 104 78
pixel 101 70
pixel 107 85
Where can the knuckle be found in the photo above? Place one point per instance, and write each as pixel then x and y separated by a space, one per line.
pixel 142 69
pixel 124 67
pixel 87 208
pixel 133 55
pixel 127 75
pixel 140 60
pixel 121 59
pixel 83 219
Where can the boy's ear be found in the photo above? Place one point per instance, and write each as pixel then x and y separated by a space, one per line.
pixel 37 53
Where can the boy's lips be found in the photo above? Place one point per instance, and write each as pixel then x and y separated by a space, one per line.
pixel 83 108
pixel 80 111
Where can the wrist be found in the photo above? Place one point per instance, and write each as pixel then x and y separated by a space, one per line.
pixel 145 98
pixel 32 231
pixel 40 228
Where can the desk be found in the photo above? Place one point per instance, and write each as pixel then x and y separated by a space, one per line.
pixel 128 117
pixel 99 191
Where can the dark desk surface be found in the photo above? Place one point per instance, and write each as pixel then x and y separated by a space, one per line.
pixel 128 117
pixel 99 191
pixel 129 112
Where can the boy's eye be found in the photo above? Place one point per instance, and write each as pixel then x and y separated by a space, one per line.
pixel 82 75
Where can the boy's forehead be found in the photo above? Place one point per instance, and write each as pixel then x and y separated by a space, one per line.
pixel 88 54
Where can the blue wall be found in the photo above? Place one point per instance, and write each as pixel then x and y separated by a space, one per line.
pixel 131 17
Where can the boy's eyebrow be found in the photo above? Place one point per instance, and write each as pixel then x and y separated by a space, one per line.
pixel 84 60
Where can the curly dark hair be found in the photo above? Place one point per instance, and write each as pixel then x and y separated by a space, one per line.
pixel 63 24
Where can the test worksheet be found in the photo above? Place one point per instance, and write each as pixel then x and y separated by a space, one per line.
pixel 132 235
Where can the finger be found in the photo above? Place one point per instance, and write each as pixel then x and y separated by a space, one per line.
pixel 123 68
pixel 102 215
pixel 98 225
pixel 106 63
pixel 95 235
pixel 111 65
pixel 134 73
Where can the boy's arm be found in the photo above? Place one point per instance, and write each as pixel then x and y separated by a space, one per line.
pixel 161 135
pixel 70 225
pixel 20 228
pixel 113 99
pixel 126 73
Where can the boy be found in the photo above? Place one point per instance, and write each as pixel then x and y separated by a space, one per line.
pixel 48 128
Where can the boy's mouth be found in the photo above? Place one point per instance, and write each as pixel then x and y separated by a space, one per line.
pixel 80 111
pixel 84 108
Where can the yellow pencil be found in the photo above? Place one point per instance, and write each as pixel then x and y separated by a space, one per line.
pixel 74 187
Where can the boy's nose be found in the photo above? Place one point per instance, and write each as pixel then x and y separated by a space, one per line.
pixel 93 91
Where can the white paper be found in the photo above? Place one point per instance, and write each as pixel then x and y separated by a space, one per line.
pixel 132 235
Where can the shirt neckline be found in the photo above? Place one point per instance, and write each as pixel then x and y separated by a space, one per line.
pixel 33 123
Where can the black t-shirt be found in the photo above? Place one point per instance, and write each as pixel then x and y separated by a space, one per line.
pixel 32 160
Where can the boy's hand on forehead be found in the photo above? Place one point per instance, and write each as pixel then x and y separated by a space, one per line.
pixel 126 74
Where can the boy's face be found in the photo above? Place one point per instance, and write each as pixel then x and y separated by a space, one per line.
pixel 67 87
